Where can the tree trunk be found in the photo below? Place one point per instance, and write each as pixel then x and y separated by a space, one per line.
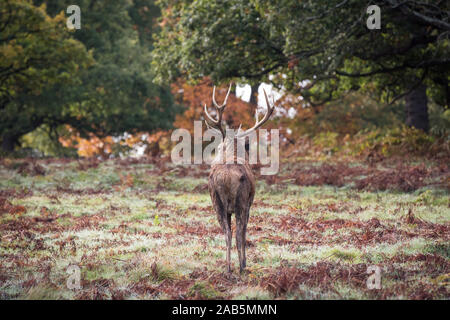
pixel 254 94
pixel 8 143
pixel 417 108
pixel 447 96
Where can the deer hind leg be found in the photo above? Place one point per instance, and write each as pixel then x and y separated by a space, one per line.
pixel 241 230
pixel 225 222
pixel 240 242
pixel 226 218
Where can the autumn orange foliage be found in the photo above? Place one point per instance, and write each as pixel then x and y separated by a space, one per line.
pixel 95 146
pixel 87 147
pixel 194 98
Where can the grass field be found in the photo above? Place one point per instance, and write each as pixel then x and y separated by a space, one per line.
pixel 145 229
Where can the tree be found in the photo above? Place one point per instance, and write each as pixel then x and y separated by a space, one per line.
pixel 36 51
pixel 320 49
pixel 115 93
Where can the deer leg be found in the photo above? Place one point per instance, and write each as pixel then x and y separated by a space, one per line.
pixel 228 236
pixel 244 233
pixel 242 213
pixel 225 222
pixel 241 227
pixel 243 236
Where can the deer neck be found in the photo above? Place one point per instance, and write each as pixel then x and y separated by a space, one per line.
pixel 227 153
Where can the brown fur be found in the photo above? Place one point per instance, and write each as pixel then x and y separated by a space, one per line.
pixel 232 189
pixel 232 186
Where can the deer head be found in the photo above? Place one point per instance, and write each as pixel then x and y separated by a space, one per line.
pixel 239 135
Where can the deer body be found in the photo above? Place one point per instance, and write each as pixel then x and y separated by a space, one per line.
pixel 232 185
pixel 232 189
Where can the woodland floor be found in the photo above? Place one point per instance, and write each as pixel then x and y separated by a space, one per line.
pixel 144 229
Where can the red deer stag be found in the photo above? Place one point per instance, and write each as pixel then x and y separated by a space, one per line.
pixel 232 186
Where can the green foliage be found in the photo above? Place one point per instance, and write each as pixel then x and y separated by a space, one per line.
pixel 386 142
pixel 439 248
pixel 40 292
pixel 203 290
pixel 118 93
pixel 324 42
pixel 36 52
pixel 44 140
pixel 439 120
pixel 161 272
pixel 399 140
pixel 156 221
pixel 327 141
pixel 358 125
pixel 344 255
pixel 96 79
pixel 352 114
pixel 425 197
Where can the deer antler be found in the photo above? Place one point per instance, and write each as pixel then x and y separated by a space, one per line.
pixel 210 121
pixel 258 123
